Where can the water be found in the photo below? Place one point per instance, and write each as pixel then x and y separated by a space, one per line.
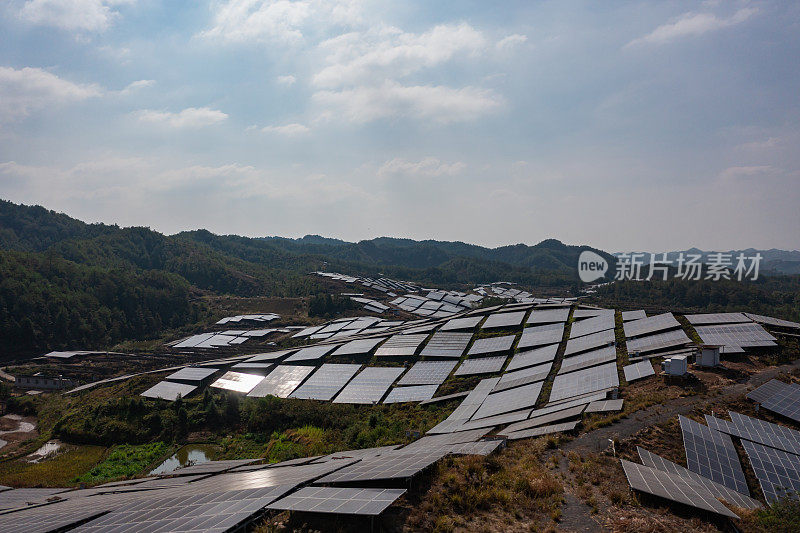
pixel 47 449
pixel 189 454
pixel 22 427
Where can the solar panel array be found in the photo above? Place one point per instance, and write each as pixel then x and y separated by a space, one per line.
pixel 673 487
pixel 524 376
pixel 466 408
pixel 582 314
pixel 416 393
pixel 543 420
pixel 533 357
pixel 649 325
pixel 778 472
pixel 749 335
pixel 369 386
pixel 192 374
pixel 282 381
pixel 481 365
pixel 548 316
pixel 396 465
pixel 326 382
pixel 401 345
pixel 633 315
pixel 718 490
pixel 166 390
pixel 541 335
pixel 509 400
pixel 584 381
pixel 716 318
pixel 592 325
pixel 603 406
pixel 658 341
pixel 446 344
pixel 237 381
pixel 785 402
pixel 337 500
pixel 312 353
pixel 638 370
pixel 469 322
pixel 759 431
pixel 589 342
pixel 491 345
pixel 770 321
pixel 712 455
pixel 767 390
pixel 428 373
pixel 542 430
pixel 358 346
pixel 504 320
pixel 588 359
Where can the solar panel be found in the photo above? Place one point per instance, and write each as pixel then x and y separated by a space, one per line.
pixel 509 400
pixel 584 381
pixel 252 368
pixel 358 346
pixel 237 381
pixel 767 390
pixel 716 318
pixel 738 335
pixel 61 516
pixel 10 499
pixel 533 357
pixel 543 420
pixel 312 353
pixel 711 454
pixel 481 365
pixel 778 472
pixel 212 467
pixel 428 373
pixel 369 386
pixel 532 374
pixel 268 357
pixel 430 441
pixel 633 315
pixel 652 324
pixel 785 402
pixel 192 374
pixel 588 359
pixel 337 500
pixel 581 314
pixel 770 321
pixel 416 393
pixel 585 398
pixel 718 490
pixel 396 465
pixel 469 322
pixel 281 381
pixel 446 344
pixel 326 382
pixel 483 447
pixel 658 341
pixel 490 345
pixel 758 431
pixel 543 430
pixel 541 335
pixel 548 316
pixel 638 370
pixel 467 407
pixel 589 342
pixel 603 406
pixel 504 320
pixel 672 487
pixel 401 345
pixel 490 422
pixel 592 325
pixel 167 390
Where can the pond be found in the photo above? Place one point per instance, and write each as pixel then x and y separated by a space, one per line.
pixel 188 455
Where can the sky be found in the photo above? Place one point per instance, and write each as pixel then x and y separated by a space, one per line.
pixel 652 126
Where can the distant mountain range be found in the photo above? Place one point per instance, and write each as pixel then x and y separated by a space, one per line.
pixel 773 261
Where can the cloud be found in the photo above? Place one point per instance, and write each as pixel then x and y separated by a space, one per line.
pixel 512 41
pixel 690 25
pixel 746 172
pixel 287 80
pixel 357 57
pixel 438 103
pixel 28 89
pixel 137 85
pixel 281 21
pixel 427 167
pixel 289 130
pixel 71 15
pixel 191 117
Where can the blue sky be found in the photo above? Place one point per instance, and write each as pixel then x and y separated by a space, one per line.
pixel 624 125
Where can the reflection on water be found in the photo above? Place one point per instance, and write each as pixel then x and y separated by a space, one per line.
pixel 47 449
pixel 188 455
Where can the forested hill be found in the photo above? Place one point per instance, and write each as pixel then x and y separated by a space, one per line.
pixel 65 283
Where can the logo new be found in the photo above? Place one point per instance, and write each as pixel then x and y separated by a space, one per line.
pixel 591 266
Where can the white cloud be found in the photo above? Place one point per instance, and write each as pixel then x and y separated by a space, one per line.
pixel 438 103
pixel 29 89
pixel 746 172
pixel 427 167
pixel 287 80
pixel 71 15
pixel 692 24
pixel 191 117
pixel 289 130
pixel 512 41
pixel 137 85
pixel 360 56
pixel 281 21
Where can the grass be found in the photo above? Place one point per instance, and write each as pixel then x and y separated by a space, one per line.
pixel 60 471
pixel 124 461
pixel 782 517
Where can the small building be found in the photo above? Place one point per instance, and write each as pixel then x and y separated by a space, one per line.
pixel 39 381
pixel 676 365
pixel 708 355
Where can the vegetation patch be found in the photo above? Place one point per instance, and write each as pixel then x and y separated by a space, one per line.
pixel 124 461
pixel 60 471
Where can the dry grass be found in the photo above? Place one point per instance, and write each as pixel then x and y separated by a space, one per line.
pixel 60 471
